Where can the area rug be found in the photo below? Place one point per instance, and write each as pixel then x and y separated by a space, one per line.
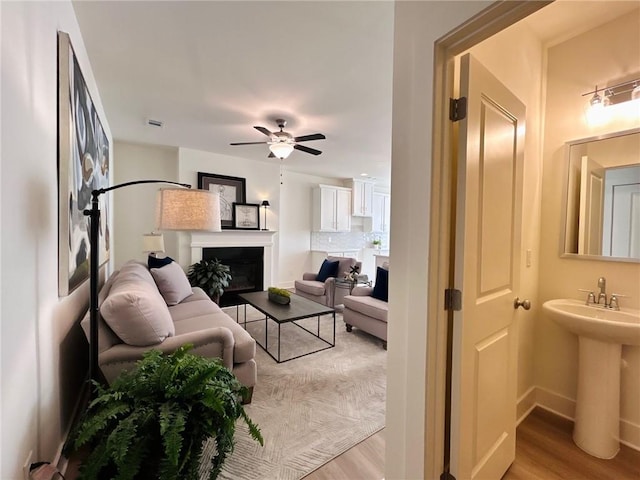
pixel 313 408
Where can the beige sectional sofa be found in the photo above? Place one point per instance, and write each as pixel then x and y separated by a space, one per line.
pixel 141 309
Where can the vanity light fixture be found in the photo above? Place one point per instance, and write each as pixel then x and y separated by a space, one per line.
pixel 621 92
pixel 596 100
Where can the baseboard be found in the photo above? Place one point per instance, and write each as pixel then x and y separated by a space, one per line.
pixel 566 407
pixel 556 403
pixel 630 434
pixel 61 461
pixel 287 285
pixel 526 403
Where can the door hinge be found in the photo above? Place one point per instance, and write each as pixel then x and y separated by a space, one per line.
pixel 452 299
pixel 457 109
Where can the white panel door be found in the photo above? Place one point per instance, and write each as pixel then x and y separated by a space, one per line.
pixel 621 231
pixel 591 206
pixel 487 259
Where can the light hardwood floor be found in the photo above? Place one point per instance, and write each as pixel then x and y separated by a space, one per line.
pixel 544 451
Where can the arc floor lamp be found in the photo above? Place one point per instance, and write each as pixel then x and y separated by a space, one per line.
pixel 176 209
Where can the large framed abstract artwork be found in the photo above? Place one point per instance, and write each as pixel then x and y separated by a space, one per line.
pixel 83 165
pixel 231 189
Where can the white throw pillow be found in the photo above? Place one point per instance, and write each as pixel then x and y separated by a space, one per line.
pixel 135 310
pixel 172 282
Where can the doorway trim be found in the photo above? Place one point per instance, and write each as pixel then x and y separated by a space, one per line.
pixel 490 21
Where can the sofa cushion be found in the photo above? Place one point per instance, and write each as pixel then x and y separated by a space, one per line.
pixel 196 294
pixel 312 287
pixel 245 346
pixel 135 310
pixel 381 287
pixel 195 308
pixel 172 283
pixel 327 269
pixel 106 337
pixel 157 262
pixel 369 306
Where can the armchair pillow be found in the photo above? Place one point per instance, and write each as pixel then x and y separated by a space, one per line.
pixel 172 283
pixel 328 269
pixel 381 287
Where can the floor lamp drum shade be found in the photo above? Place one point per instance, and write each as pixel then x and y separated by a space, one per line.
pixel 188 209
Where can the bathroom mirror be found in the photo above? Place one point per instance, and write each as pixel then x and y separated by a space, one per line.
pixel 603 198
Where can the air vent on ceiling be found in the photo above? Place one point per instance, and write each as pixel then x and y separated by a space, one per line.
pixel 155 123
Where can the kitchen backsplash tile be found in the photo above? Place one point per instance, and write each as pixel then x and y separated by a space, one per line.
pixel 346 240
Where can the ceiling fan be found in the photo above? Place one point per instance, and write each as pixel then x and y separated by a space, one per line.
pixel 283 143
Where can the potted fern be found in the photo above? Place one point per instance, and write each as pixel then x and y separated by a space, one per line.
pixel 210 275
pixel 154 421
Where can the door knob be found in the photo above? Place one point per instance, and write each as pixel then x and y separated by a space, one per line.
pixel 526 304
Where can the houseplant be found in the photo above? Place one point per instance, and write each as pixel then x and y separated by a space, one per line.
pixel 152 422
pixel 210 275
pixel 279 295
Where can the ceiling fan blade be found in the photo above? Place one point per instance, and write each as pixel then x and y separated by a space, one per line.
pixel 271 155
pixel 264 130
pixel 306 138
pixel 302 148
pixel 248 143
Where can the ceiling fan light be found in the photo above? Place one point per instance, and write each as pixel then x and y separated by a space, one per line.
pixel 281 149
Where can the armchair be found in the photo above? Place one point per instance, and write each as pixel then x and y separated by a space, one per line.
pixel 367 308
pixel 324 292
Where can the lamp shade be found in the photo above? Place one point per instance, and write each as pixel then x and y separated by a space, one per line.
pixel 153 242
pixel 281 149
pixel 265 203
pixel 187 209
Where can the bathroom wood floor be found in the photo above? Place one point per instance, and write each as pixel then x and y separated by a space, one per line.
pixel 544 451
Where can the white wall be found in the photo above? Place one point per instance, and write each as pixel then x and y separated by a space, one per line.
pixel 262 183
pixel 134 207
pixel 289 196
pixel 296 207
pixel 417 26
pixel 614 52
pixel 42 351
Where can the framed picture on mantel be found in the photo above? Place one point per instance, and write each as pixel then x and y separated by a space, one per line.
pixel 246 216
pixel 231 189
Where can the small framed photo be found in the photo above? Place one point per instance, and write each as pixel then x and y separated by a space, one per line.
pixel 231 189
pixel 246 216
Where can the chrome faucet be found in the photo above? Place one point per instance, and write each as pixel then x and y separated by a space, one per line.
pixel 612 302
pixel 602 285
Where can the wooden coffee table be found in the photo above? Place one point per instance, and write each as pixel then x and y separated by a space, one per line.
pixel 298 309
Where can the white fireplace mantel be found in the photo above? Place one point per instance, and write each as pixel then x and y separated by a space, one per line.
pixel 237 238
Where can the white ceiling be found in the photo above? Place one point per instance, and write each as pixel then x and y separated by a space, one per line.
pixel 211 70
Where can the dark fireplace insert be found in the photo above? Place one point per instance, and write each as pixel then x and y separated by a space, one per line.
pixel 247 270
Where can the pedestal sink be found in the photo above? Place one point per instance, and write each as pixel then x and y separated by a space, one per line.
pixel 601 333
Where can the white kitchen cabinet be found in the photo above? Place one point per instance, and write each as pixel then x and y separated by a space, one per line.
pixel 331 209
pixel 362 198
pixel 381 212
